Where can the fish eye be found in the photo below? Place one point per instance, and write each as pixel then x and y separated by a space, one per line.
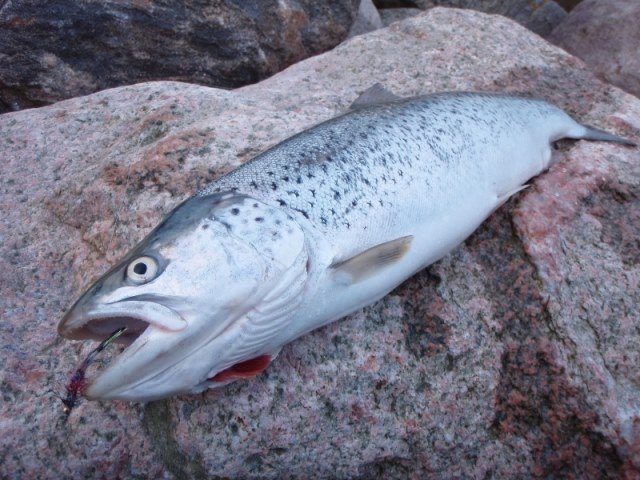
pixel 142 270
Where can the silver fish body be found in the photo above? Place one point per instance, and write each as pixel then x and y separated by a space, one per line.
pixel 309 231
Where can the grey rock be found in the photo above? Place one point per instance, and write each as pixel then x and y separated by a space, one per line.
pixel 367 19
pixel 59 49
pixel 390 15
pixel 606 35
pixel 540 16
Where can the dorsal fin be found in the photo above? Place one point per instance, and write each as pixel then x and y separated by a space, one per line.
pixel 375 95
pixel 371 261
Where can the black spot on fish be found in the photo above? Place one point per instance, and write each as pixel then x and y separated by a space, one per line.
pixel 313 193
pixel 282 203
pixel 305 214
pixel 235 211
pixel 253 184
pixel 336 194
pixel 286 179
pixel 323 220
pixel 274 186
pixel 255 205
pixel 299 180
pixel 259 219
pixel 278 222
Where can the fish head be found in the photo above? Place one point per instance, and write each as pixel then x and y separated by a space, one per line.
pixel 182 292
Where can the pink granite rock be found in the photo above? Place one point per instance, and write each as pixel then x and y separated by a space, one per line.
pixel 606 35
pixel 514 357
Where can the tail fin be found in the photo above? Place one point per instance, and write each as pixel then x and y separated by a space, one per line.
pixel 589 133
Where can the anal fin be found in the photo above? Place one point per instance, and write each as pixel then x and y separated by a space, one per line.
pixel 507 195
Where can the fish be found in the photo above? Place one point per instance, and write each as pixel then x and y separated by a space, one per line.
pixel 320 225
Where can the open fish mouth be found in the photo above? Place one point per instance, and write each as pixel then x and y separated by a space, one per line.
pixel 99 328
pixel 95 322
pixel 142 320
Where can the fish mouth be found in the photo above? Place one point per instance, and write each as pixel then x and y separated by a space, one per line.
pixel 95 322
pixel 156 340
pixel 100 328
pixel 141 318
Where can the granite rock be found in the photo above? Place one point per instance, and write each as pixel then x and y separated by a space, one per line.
pixel 540 16
pixel 514 357
pixel 59 49
pixel 390 15
pixel 606 35
pixel 367 19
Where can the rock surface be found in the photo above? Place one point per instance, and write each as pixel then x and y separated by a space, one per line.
pixel 390 15
pixel 514 357
pixel 606 35
pixel 59 49
pixel 367 19
pixel 540 16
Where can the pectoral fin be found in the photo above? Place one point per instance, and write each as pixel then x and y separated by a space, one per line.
pixel 371 261
pixel 375 95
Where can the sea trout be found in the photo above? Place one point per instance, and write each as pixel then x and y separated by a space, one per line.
pixel 316 227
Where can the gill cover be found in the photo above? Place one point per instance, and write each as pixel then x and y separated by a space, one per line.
pixel 212 285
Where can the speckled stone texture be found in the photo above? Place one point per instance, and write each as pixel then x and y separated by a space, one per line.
pixel 514 357
pixel 540 16
pixel 606 35
pixel 56 49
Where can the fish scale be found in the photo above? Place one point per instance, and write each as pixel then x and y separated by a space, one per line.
pixel 309 231
pixel 352 172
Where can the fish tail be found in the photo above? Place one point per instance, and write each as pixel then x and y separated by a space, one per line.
pixel 585 132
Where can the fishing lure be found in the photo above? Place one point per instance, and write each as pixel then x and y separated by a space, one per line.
pixel 76 382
